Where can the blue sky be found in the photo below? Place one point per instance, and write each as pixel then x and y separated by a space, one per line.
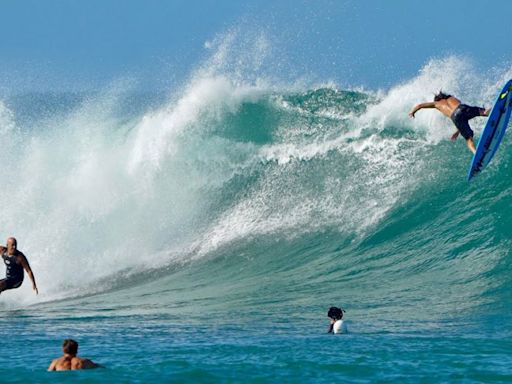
pixel 60 44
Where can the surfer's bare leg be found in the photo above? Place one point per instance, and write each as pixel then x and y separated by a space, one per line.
pixel 471 145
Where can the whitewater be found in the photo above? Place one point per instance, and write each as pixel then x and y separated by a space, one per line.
pixel 202 234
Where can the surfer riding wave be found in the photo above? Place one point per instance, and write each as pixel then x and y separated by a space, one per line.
pixel 15 263
pixel 459 113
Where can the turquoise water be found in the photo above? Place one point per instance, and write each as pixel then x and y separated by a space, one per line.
pixel 202 234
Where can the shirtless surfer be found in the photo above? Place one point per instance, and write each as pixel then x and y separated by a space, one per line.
pixel 459 114
pixel 15 262
pixel 70 361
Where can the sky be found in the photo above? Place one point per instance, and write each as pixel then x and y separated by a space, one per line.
pixel 65 44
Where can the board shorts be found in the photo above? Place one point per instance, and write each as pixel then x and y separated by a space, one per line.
pixel 12 283
pixel 460 117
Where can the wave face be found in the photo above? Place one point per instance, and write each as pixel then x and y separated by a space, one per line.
pixel 334 192
pixel 101 188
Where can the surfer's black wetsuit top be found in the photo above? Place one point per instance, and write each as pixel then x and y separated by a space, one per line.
pixel 14 271
pixel 460 118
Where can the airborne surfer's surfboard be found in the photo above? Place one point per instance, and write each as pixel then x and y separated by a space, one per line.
pixel 493 132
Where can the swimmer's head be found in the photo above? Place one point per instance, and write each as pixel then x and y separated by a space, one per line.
pixel 70 347
pixel 335 313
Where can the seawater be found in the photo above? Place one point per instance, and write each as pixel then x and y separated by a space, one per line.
pixel 201 235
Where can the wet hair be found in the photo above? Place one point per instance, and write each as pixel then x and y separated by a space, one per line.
pixel 70 346
pixel 335 313
pixel 441 96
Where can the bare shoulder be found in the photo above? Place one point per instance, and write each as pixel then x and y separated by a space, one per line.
pixel 56 364
pixel 53 364
pixel 79 363
pixel 21 255
pixel 22 259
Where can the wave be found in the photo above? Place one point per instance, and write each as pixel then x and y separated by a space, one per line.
pixel 228 165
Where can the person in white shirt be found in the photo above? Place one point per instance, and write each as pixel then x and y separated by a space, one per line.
pixel 337 325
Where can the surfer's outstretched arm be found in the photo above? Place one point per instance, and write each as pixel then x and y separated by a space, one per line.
pixel 421 106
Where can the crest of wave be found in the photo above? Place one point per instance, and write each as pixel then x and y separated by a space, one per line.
pixel 314 181
pixel 228 78
pixel 350 181
pixel 92 188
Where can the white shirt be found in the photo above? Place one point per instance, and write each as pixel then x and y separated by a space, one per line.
pixel 339 327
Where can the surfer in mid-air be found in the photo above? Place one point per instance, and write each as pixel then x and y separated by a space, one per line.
pixel 459 114
pixel 15 262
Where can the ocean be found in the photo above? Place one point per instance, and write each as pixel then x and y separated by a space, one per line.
pixel 201 234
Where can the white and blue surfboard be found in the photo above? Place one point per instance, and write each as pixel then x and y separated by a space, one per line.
pixel 493 132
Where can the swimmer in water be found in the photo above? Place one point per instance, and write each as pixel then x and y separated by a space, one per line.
pixel 336 325
pixel 70 361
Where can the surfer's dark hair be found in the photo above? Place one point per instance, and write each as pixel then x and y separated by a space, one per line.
pixel 70 346
pixel 441 96
pixel 335 313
